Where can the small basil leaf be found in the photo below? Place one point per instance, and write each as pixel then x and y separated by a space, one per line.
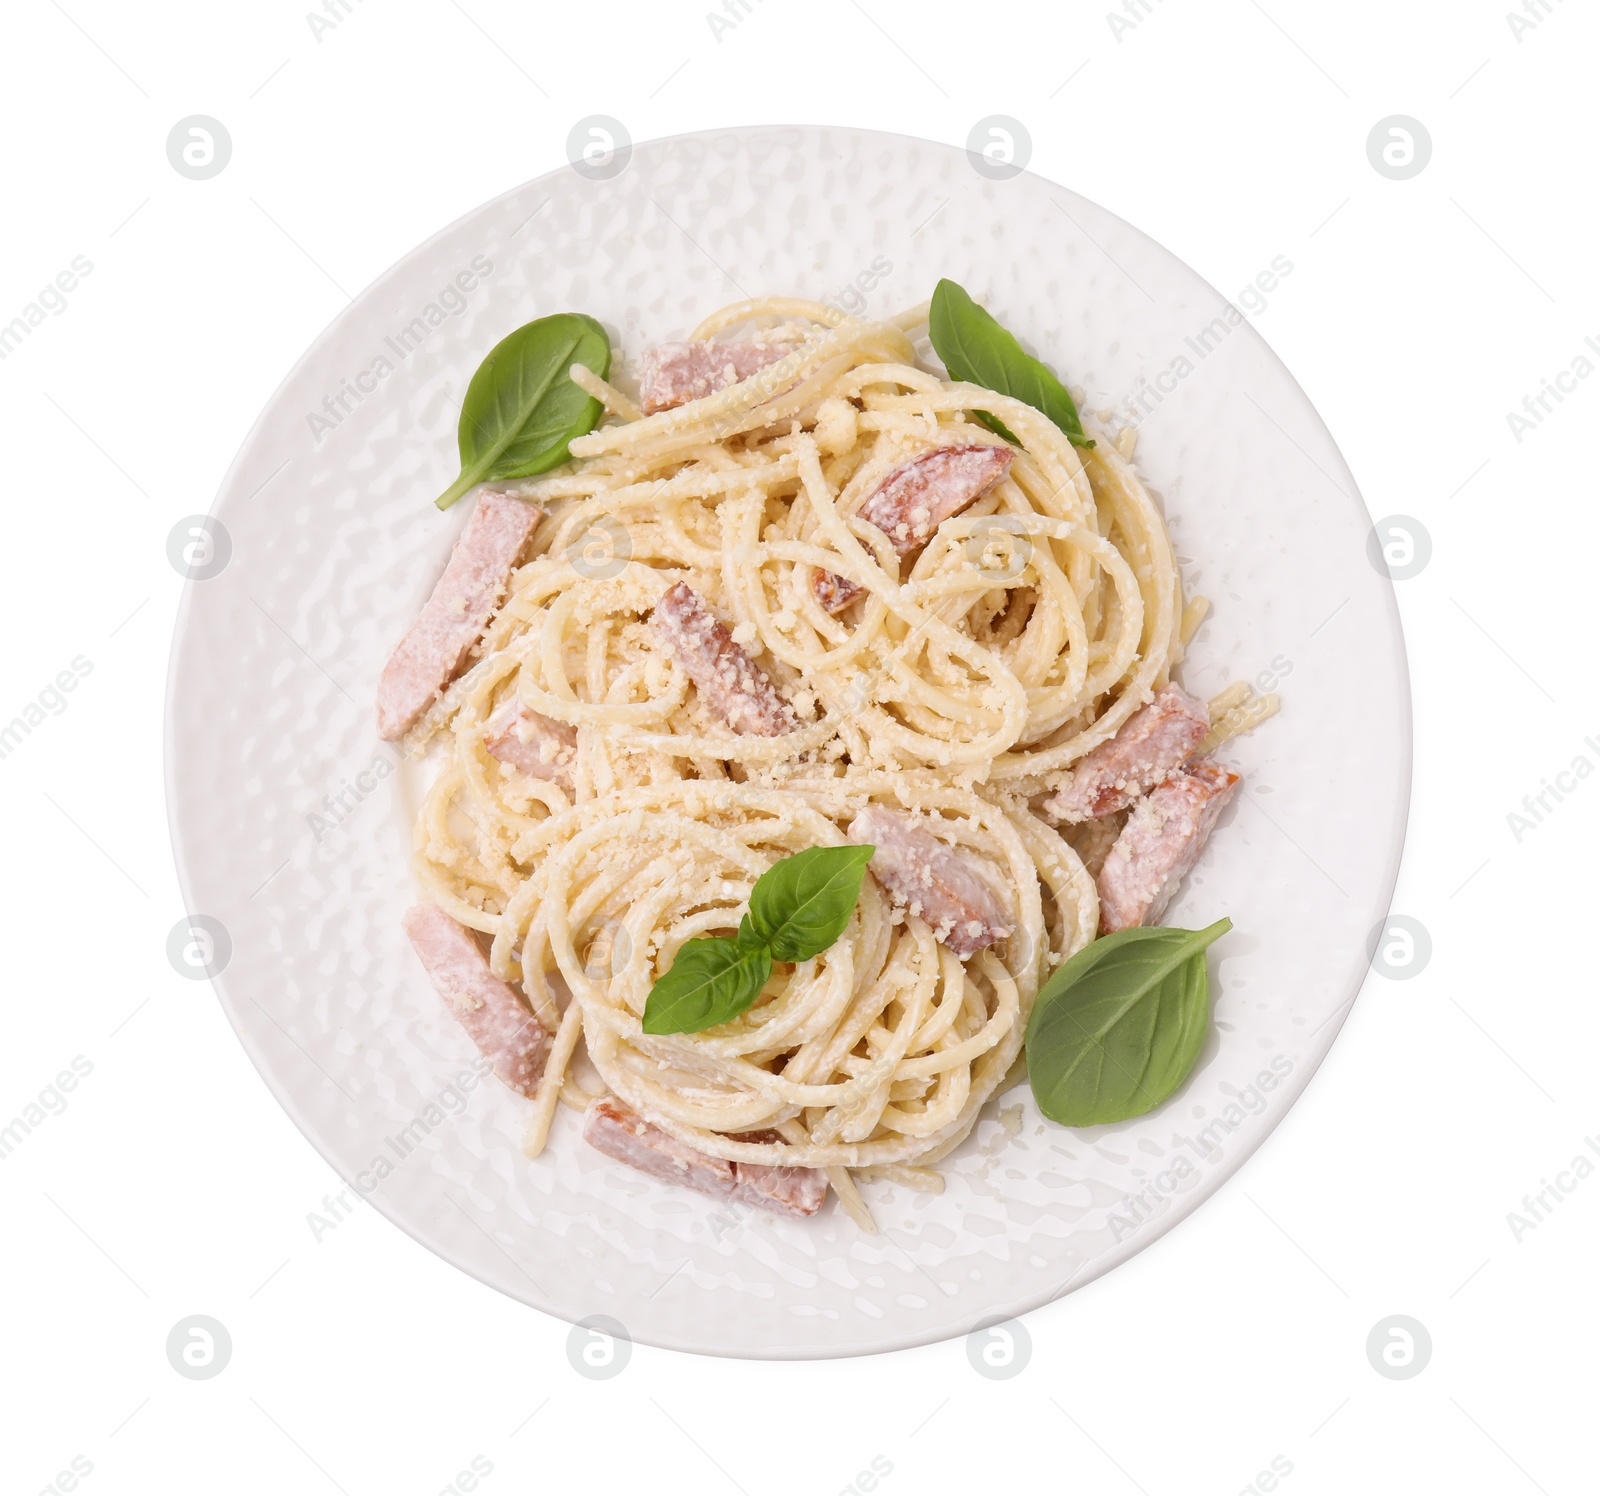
pixel 710 982
pixel 978 350
pixel 801 905
pixel 521 409
pixel 999 427
pixel 1117 1029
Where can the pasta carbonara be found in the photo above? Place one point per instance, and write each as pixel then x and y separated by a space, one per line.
pixel 709 658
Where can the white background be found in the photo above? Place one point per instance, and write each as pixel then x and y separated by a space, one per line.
pixel 1418 314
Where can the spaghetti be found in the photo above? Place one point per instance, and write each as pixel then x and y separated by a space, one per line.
pixel 957 687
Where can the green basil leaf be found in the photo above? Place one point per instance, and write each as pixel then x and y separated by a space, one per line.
pixel 999 427
pixel 520 409
pixel 801 905
pixel 1117 1029
pixel 978 350
pixel 798 908
pixel 710 982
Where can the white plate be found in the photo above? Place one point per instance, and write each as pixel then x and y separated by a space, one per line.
pixel 291 828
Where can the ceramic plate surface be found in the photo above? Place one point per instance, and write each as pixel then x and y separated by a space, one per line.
pixel 292 822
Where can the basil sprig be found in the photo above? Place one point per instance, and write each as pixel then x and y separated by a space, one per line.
pixel 800 905
pixel 978 350
pixel 1117 1029
pixel 798 908
pixel 521 409
pixel 710 982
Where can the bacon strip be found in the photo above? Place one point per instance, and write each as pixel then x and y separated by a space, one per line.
pixel 620 1133
pixel 489 1010
pixel 915 499
pixel 539 746
pixel 675 373
pixel 730 683
pixel 1144 752
pixel 436 648
pixel 786 1189
pixel 933 882
pixel 834 592
pixel 920 495
pixel 1163 838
